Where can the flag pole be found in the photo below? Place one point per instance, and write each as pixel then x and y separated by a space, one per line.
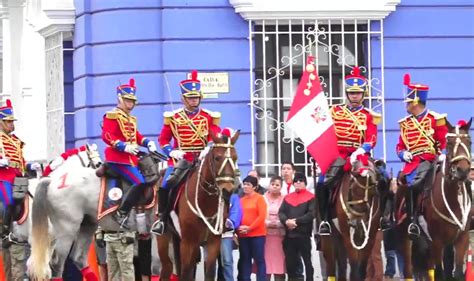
pixel 316 194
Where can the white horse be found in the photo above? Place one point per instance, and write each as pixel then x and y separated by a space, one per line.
pixel 68 198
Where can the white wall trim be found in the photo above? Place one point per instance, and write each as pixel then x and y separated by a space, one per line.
pixel 59 20
pixel 257 10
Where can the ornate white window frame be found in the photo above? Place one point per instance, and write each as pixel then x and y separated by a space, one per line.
pixel 257 10
pixel 284 12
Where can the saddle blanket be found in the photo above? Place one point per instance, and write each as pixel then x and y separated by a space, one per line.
pixel 111 195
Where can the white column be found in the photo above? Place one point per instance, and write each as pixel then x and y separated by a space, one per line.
pixel 12 33
pixel 59 25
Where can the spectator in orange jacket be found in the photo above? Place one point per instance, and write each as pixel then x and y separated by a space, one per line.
pixel 252 231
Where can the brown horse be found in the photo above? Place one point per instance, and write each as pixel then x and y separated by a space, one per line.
pixel 201 207
pixel 357 215
pixel 445 207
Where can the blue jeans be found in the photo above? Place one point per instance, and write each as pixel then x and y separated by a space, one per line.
pixel 227 259
pixel 391 267
pixel 252 247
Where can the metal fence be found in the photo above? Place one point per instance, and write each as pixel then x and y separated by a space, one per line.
pixel 278 51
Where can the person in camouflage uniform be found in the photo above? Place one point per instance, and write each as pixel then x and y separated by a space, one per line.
pixel 120 250
pixel 14 262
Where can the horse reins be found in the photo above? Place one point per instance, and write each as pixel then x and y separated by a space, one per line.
pixel 217 228
pixel 350 211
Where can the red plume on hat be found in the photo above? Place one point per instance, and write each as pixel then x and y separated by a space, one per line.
pixel 9 103
pixel 356 71
pixel 194 75
pixel 406 79
pixel 131 83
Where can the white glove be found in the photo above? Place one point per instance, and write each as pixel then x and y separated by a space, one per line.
pixel 229 224
pixel 204 152
pixel 441 158
pixel 4 162
pixel 152 146
pixel 132 149
pixel 56 163
pixel 177 154
pixel 407 156
pixel 356 153
pixel 35 166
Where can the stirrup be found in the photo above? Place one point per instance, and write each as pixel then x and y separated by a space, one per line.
pixel 324 228
pixel 8 240
pixel 413 231
pixel 158 228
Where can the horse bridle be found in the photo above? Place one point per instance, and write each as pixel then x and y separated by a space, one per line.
pixel 91 154
pixel 465 205
pixel 227 160
pixel 218 217
pixel 459 145
pixel 366 187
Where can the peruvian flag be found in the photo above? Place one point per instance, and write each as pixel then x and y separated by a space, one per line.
pixel 310 118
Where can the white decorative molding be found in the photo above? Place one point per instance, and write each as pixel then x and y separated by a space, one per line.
pixel 53 16
pixel 258 10
pixel 58 21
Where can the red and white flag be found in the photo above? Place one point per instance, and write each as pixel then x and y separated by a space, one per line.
pixel 310 118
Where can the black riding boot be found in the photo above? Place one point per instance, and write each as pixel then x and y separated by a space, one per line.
pixel 179 172
pixel 413 228
pixel 386 203
pixel 387 221
pixel 7 222
pixel 158 227
pixel 128 201
pixel 324 226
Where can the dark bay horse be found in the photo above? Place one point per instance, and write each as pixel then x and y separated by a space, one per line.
pixel 357 215
pixel 446 209
pixel 201 207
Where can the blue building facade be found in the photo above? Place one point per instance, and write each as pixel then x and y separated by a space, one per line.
pixel 159 42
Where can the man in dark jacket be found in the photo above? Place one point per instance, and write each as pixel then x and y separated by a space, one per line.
pixel 297 214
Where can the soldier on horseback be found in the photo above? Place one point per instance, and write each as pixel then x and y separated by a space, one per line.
pixel 189 129
pixel 119 132
pixel 356 131
pixel 12 165
pixel 422 141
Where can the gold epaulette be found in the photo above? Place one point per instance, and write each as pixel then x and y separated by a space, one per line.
pixel 216 116
pixel 112 114
pixel 167 115
pixel 404 118
pixel 377 117
pixel 440 118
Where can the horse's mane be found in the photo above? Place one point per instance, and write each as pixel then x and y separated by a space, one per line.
pixel 64 156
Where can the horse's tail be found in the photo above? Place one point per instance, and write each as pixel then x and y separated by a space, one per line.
pixel 40 240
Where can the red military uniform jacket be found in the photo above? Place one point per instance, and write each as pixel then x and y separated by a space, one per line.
pixel 120 127
pixel 11 147
pixel 189 132
pixel 354 128
pixel 423 136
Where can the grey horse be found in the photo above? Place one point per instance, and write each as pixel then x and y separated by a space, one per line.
pixel 66 202
pixel 69 198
